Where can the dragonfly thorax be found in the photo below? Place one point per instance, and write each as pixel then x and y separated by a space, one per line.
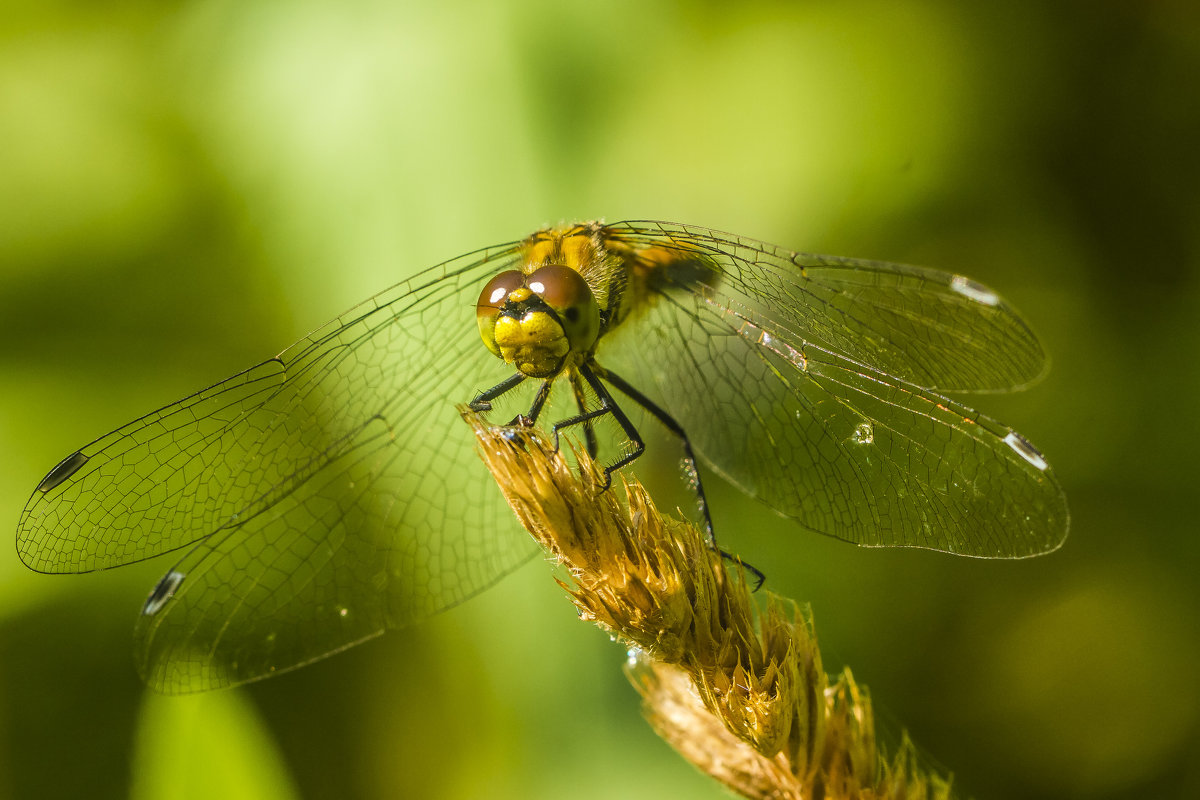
pixel 540 321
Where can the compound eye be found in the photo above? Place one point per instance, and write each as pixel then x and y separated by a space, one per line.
pixel 497 290
pixel 565 291
pixel 561 287
pixel 491 300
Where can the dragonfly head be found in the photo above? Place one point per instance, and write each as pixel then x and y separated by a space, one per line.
pixel 537 321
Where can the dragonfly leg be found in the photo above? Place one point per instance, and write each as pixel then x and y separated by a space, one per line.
pixel 689 457
pixel 669 422
pixel 535 410
pixel 589 430
pixel 607 406
pixel 759 576
pixel 483 400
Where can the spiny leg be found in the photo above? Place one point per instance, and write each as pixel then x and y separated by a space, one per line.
pixel 607 406
pixel 483 400
pixel 689 457
pixel 535 410
pixel 589 430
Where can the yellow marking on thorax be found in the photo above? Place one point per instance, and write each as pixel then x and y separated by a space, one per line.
pixel 574 247
pixel 619 273
pixel 578 247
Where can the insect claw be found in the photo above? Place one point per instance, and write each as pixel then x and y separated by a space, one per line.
pixel 759 576
pixel 608 471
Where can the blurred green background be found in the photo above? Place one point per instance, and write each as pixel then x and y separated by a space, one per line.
pixel 187 187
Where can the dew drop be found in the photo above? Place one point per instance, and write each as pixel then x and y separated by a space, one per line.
pixel 863 434
pixel 796 357
pixel 64 469
pixel 163 591
pixel 632 656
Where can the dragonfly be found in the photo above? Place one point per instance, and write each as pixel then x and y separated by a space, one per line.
pixel 332 492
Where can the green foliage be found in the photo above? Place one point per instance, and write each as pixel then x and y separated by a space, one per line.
pixel 205 746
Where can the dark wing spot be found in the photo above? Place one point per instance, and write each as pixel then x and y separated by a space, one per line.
pixel 163 591
pixel 65 469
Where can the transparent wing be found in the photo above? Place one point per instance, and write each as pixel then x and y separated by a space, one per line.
pixel 929 328
pixel 332 491
pixel 820 428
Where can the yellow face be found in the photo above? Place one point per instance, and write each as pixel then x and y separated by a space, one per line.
pixel 537 322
